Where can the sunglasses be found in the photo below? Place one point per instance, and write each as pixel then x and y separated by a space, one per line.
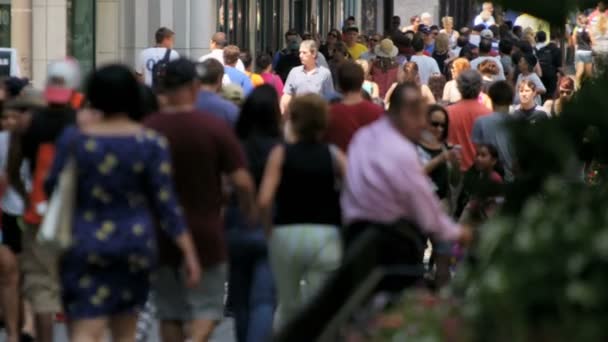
pixel 438 124
pixel 566 92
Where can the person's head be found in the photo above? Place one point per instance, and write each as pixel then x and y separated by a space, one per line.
pixel 526 63
pixel 247 59
pixel 504 31
pixel 350 77
pixel 231 55
pixel 462 41
pixel 395 22
pixel 410 73
pixel 469 52
pixel 501 93
pixel 505 47
pixel 488 68
pixel 363 39
pixel 218 41
pixel 114 91
pixel 350 21
pixel 260 114
pixel 408 111
pixel 291 35
pixel 527 93
pixel 181 82
pixel 465 32
pixel 459 66
pixel 373 41
pixel 365 65
pixel 486 158
pixel 165 37
pixel 518 31
pixel 485 47
pixel 415 21
pixel 63 78
pixel 434 31
pixel 566 88
pixel 263 63
pixel 340 52
pixel 469 84
pixel 308 53
pixel 495 31
pixel 530 36
pixel 426 19
pixel 438 122
pixel 333 36
pixel 306 35
pixel 582 20
pixel 488 7
pixel 309 117
pixel 477 29
pixel 418 43
pixel 524 46
pixel 10 118
pixel 351 34
pixel 601 6
pixel 442 43
pixel 437 84
pixel 210 74
pixel 426 34
pixel 541 36
pixel 448 23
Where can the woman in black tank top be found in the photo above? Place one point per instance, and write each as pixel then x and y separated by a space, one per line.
pixel 301 187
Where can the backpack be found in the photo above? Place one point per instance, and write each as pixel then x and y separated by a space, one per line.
pixel 159 70
pixel 545 59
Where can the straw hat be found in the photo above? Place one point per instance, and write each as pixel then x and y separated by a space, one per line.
pixel 386 49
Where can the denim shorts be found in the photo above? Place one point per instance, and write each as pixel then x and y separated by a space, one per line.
pixel 583 57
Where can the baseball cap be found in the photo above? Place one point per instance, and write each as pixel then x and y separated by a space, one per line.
pixel 63 78
pixel 424 29
pixel 487 34
pixel 178 73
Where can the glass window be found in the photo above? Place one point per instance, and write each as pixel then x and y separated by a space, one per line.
pixel 5 25
pixel 233 19
pixel 81 32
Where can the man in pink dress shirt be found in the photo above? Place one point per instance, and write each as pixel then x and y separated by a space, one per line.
pixel 385 181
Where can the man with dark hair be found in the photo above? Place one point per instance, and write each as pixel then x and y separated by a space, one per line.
pixel 492 129
pixel 210 74
pixel 505 49
pixel 485 47
pixel 231 59
pixel 395 25
pixel 550 59
pixel 427 66
pixel 353 112
pixel 163 50
pixel 463 115
pixel 355 49
pixel 217 44
pixel 383 167
pixel 203 150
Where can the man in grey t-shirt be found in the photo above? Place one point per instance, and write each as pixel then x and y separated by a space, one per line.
pixel 492 129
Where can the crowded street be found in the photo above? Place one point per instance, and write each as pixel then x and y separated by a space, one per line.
pixel 299 170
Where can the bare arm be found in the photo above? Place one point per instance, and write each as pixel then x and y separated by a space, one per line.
pixel 285 100
pixel 269 186
pixel 389 93
pixel 375 90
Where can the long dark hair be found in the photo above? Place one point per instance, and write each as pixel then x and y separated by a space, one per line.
pixel 260 114
pixel 437 108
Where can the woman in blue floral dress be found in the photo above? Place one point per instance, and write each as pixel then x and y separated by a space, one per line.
pixel 123 188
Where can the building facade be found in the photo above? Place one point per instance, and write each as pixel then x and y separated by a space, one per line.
pixel 101 31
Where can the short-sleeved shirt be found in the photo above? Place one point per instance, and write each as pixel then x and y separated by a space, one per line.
pixel 501 72
pixel 203 148
pixel 213 103
pixel 491 129
pixel 345 120
pixel 148 58
pixel 536 80
pixel 462 118
pixel 427 66
pixel 356 50
pixel 318 81
pixel 239 78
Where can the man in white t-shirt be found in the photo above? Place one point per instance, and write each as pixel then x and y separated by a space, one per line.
pixel 427 66
pixel 217 45
pixel 486 17
pixel 165 39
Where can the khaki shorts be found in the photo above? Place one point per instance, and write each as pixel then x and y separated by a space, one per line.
pixel 39 267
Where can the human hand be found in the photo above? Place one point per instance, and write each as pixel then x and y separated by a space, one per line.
pixel 193 271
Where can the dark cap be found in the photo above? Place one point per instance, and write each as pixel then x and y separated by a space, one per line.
pixel 178 73
pixel 14 85
pixel 424 29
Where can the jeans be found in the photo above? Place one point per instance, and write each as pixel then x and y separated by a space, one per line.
pixel 251 286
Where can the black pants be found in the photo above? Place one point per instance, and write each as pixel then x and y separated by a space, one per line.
pixel 11 233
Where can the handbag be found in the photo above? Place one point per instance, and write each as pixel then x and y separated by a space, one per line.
pixel 56 228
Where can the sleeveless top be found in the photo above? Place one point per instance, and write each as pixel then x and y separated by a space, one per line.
pixel 368 87
pixel 583 40
pixel 308 192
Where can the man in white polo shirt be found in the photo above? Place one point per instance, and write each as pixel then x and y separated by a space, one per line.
pixel 165 39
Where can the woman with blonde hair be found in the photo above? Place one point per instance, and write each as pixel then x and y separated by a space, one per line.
pixel 369 86
pixel 448 28
pixel 410 74
pixel 442 53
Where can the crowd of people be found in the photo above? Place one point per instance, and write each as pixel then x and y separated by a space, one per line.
pixel 260 173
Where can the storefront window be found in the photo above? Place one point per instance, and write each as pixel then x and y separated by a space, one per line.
pixel 5 24
pixel 81 32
